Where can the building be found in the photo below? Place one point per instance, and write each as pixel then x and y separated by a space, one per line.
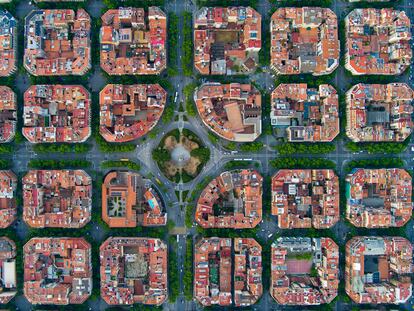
pixel 8 114
pixel 232 111
pixel 57 198
pixel 379 112
pixel 232 200
pixel 8 43
pixel 377 270
pixel 56 113
pixel 129 200
pixel 57 271
pixel 304 40
pixel 379 198
pixel 8 284
pixel 305 271
pixel 377 42
pixel 227 40
pixel 8 204
pixel 305 198
pixel 213 262
pixel 57 42
pixel 134 270
pixel 302 114
pixel 133 41
pixel 128 112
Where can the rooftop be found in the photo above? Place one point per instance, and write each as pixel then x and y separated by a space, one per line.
pixel 129 200
pixel 227 40
pixel 232 200
pixel 305 271
pixel 57 198
pixel 378 42
pixel 8 43
pixel 304 40
pixel 379 112
pixel 57 271
pixel 213 261
pixel 8 114
pixel 57 42
pixel 56 113
pixel 232 111
pixel 305 198
pixel 8 204
pixel 128 112
pixel 133 41
pixel 377 269
pixel 134 270
pixel 379 198
pixel 302 114
pixel 8 284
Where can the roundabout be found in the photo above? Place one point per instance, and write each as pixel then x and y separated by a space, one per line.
pixel 181 155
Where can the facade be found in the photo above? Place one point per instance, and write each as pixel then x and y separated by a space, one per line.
pixel 57 198
pixel 8 284
pixel 8 43
pixel 134 270
pixel 128 112
pixel 8 204
pixel 377 270
pixel 57 42
pixel 302 114
pixel 377 42
pixel 305 271
pixel 57 113
pixel 379 198
pixel 379 112
pixel 57 271
pixel 213 261
pixel 133 41
pixel 129 200
pixel 305 198
pixel 232 111
pixel 227 40
pixel 8 114
pixel 232 200
pixel 304 40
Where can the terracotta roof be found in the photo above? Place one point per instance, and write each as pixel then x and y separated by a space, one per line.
pixel 379 198
pixel 132 44
pixel 57 198
pixel 134 270
pixel 57 271
pixel 391 120
pixel 305 271
pixel 232 200
pixel 129 200
pixel 227 40
pixel 304 40
pixel 305 198
pixel 57 113
pixel 306 114
pixel 57 42
pixel 128 112
pixel 378 41
pixel 367 260
pixel 232 111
